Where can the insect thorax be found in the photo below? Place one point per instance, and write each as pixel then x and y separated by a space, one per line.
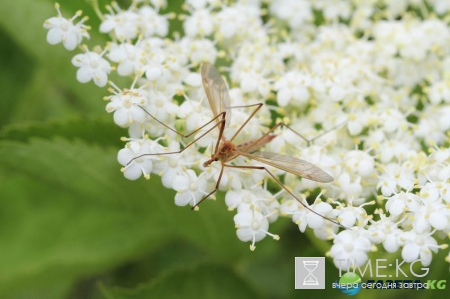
pixel 227 149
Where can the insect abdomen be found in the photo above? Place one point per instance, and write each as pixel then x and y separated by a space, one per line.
pixel 245 146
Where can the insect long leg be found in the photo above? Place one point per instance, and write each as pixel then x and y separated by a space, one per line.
pixel 220 123
pixel 212 192
pixel 256 141
pixel 258 106
pixel 180 134
pixel 321 134
pixel 286 189
pixel 221 129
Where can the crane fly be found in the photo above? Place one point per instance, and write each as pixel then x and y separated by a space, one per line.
pixel 226 151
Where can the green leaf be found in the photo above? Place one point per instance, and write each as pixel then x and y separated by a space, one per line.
pixel 94 130
pixel 204 281
pixel 14 74
pixel 69 213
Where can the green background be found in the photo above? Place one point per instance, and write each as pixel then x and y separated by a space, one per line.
pixel 71 226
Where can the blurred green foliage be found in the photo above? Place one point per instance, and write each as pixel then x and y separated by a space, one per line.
pixel 72 227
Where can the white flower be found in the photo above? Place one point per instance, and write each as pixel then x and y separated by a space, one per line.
pixel 238 20
pixel 130 58
pixel 283 141
pixel 133 159
pixel 151 55
pixel 385 231
pixel 441 7
pixel 200 50
pixel 257 56
pixel 435 215
pixel 255 82
pixel 417 246
pixel 92 66
pixel 154 71
pixel 402 202
pixel 123 23
pixel 352 190
pixel 398 149
pixel 290 207
pixel 190 188
pixel 251 131
pixel 441 155
pixel 340 8
pixel 396 176
pixel 433 212
pixel 327 231
pixel 351 215
pixel 433 124
pixel 292 88
pixel 252 226
pixel 158 4
pixel 151 23
pixel 393 120
pixel 195 115
pixel 444 191
pixel 356 123
pixel 407 38
pixel 316 216
pixel 199 23
pixel 350 248
pixel 63 30
pixel 193 79
pixel 257 199
pixel 230 179
pixel 296 13
pixel 161 106
pixel 439 91
pixel 359 162
pixel 235 198
pixel 126 106
pixel 299 214
pixel 173 165
pixel 323 209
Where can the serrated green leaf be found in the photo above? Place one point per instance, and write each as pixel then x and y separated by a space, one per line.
pixel 204 281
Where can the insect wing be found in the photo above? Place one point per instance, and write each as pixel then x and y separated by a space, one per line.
pixel 216 91
pixel 292 165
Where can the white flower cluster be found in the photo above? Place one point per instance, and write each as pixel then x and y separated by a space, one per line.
pixel 382 67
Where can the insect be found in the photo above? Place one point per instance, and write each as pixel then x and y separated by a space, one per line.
pixel 226 151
